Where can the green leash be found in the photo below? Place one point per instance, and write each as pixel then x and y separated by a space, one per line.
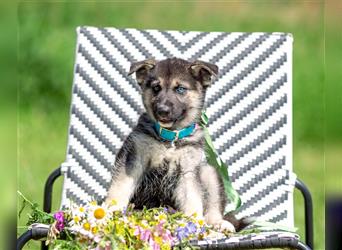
pixel 235 201
pixel 214 160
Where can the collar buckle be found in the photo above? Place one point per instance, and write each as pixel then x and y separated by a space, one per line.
pixel 176 135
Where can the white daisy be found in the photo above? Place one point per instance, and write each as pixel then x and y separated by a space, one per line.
pixel 98 215
pixel 75 221
pixel 77 215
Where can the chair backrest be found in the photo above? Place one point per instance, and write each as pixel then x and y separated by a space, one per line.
pixel 249 108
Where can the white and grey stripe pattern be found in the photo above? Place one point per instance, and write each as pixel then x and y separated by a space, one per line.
pixel 263 238
pixel 249 107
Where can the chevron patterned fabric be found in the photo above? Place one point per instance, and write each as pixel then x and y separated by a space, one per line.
pixel 249 108
pixel 255 241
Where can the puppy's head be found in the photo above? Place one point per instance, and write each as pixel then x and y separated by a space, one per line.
pixel 173 90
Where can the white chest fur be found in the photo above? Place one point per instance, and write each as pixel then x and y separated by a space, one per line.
pixel 153 153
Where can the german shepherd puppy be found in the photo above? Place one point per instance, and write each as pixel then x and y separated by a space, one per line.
pixel 151 171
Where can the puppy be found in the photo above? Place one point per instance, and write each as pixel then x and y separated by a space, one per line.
pixel 162 161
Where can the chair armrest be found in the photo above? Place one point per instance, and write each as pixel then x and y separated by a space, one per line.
pixel 36 232
pixel 308 207
pixel 23 239
pixel 48 195
pixel 48 189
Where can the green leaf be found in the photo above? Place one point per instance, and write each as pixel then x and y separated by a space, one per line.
pixel 22 207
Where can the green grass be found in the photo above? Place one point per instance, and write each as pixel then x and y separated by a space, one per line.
pixel 46 53
pixel 42 146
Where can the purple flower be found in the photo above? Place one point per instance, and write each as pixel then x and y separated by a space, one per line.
pixel 170 210
pixel 59 216
pixel 191 227
pixel 202 230
pixel 59 226
pixel 181 233
pixel 124 211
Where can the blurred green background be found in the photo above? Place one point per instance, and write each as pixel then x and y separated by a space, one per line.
pixel 46 41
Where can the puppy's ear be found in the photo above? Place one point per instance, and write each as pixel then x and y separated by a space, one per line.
pixel 204 72
pixel 141 69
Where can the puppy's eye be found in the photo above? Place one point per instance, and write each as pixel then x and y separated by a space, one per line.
pixel 156 89
pixel 180 90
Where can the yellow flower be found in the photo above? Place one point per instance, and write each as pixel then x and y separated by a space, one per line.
pixel 107 230
pixel 165 247
pixel 144 223
pixel 99 213
pixel 131 230
pixel 162 217
pixel 158 239
pixel 76 219
pixel 119 228
pixel 153 223
pixel 201 222
pixel 86 226
pixel 81 209
pixel 94 230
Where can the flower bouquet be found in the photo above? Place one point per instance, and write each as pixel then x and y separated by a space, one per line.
pixel 104 227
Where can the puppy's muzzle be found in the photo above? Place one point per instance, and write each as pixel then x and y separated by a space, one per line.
pixel 163 111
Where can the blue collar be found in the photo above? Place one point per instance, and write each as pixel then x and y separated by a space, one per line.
pixel 173 135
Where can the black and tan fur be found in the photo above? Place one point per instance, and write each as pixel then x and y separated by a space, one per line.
pixel 150 172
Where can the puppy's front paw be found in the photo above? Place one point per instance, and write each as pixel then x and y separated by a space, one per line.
pixel 224 225
pixel 113 204
pixel 218 222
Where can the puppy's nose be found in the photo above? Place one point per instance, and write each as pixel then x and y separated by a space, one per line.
pixel 163 111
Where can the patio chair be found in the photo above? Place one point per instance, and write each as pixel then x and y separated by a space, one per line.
pixel 250 120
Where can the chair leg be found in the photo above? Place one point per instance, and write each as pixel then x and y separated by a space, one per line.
pixel 309 234
pixel 44 246
pixel 23 239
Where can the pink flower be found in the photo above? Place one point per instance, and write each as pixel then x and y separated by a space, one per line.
pixel 107 247
pixel 145 235
pixel 160 227
pixel 167 236
pixel 97 239
pixel 137 231
pixel 153 244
